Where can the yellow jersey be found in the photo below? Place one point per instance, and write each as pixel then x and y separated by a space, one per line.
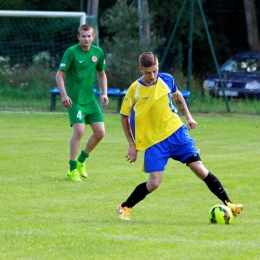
pixel 151 111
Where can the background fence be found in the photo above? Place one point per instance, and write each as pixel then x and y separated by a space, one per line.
pixel 31 48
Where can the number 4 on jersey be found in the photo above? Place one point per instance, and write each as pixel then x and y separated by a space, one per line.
pixel 79 115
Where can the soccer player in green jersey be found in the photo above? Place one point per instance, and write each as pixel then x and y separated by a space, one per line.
pixel 78 66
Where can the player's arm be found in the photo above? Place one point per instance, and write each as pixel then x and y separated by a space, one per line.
pixel 131 153
pixel 182 106
pixel 103 85
pixel 60 80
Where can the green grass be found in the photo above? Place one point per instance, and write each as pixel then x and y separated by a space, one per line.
pixel 46 216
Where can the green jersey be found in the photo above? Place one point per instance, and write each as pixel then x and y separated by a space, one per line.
pixel 80 67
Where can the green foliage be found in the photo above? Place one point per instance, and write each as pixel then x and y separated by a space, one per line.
pixel 121 22
pixel 123 44
pixel 40 74
pixel 45 216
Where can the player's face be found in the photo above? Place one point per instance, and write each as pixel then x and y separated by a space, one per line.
pixel 85 39
pixel 150 74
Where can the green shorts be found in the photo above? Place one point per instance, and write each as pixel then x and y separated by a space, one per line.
pixel 87 114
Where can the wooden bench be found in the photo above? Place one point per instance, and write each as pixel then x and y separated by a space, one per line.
pixel 114 92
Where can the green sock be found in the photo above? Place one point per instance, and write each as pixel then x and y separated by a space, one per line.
pixel 73 165
pixel 83 156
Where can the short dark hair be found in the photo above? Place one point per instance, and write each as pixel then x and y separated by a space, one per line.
pixel 147 59
pixel 86 27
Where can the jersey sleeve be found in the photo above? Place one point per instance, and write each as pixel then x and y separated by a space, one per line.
pixel 66 60
pixel 174 86
pixel 169 80
pixel 101 65
pixel 128 102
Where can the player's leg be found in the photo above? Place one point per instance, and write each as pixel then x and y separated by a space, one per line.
pixel 73 173
pixel 143 189
pixel 136 196
pixel 139 194
pixel 97 135
pixel 189 154
pixel 94 117
pixel 154 163
pixel 77 121
pixel 214 185
pixel 78 131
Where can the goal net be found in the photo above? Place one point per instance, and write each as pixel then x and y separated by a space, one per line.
pixel 31 48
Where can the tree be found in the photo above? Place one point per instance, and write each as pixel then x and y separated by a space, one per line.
pixel 252 28
pixel 144 24
pixel 122 44
pixel 92 7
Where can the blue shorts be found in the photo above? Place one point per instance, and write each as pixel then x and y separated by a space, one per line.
pixel 178 146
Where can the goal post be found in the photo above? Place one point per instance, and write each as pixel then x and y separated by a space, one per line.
pixel 47 14
pixel 26 34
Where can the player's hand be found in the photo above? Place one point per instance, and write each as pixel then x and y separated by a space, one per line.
pixel 66 101
pixel 104 100
pixel 131 154
pixel 191 124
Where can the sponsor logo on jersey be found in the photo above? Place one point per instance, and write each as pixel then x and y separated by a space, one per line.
pixel 80 61
pixel 63 65
pixel 94 58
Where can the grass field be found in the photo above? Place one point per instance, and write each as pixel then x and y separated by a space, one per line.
pixel 46 216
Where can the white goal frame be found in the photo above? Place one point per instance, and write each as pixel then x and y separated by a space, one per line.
pixel 48 14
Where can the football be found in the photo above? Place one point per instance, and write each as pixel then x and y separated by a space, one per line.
pixel 220 214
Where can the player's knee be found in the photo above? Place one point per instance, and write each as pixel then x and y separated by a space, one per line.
pixel 199 169
pixel 79 133
pixel 99 134
pixel 152 186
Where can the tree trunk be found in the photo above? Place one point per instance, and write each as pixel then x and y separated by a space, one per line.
pixel 252 28
pixel 92 7
pixel 144 25
pixel 92 14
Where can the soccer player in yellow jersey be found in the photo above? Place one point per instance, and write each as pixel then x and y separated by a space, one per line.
pixel 150 123
pixel 79 64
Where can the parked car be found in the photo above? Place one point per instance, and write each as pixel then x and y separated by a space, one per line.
pixel 240 76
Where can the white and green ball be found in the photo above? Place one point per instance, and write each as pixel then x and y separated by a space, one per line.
pixel 220 214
